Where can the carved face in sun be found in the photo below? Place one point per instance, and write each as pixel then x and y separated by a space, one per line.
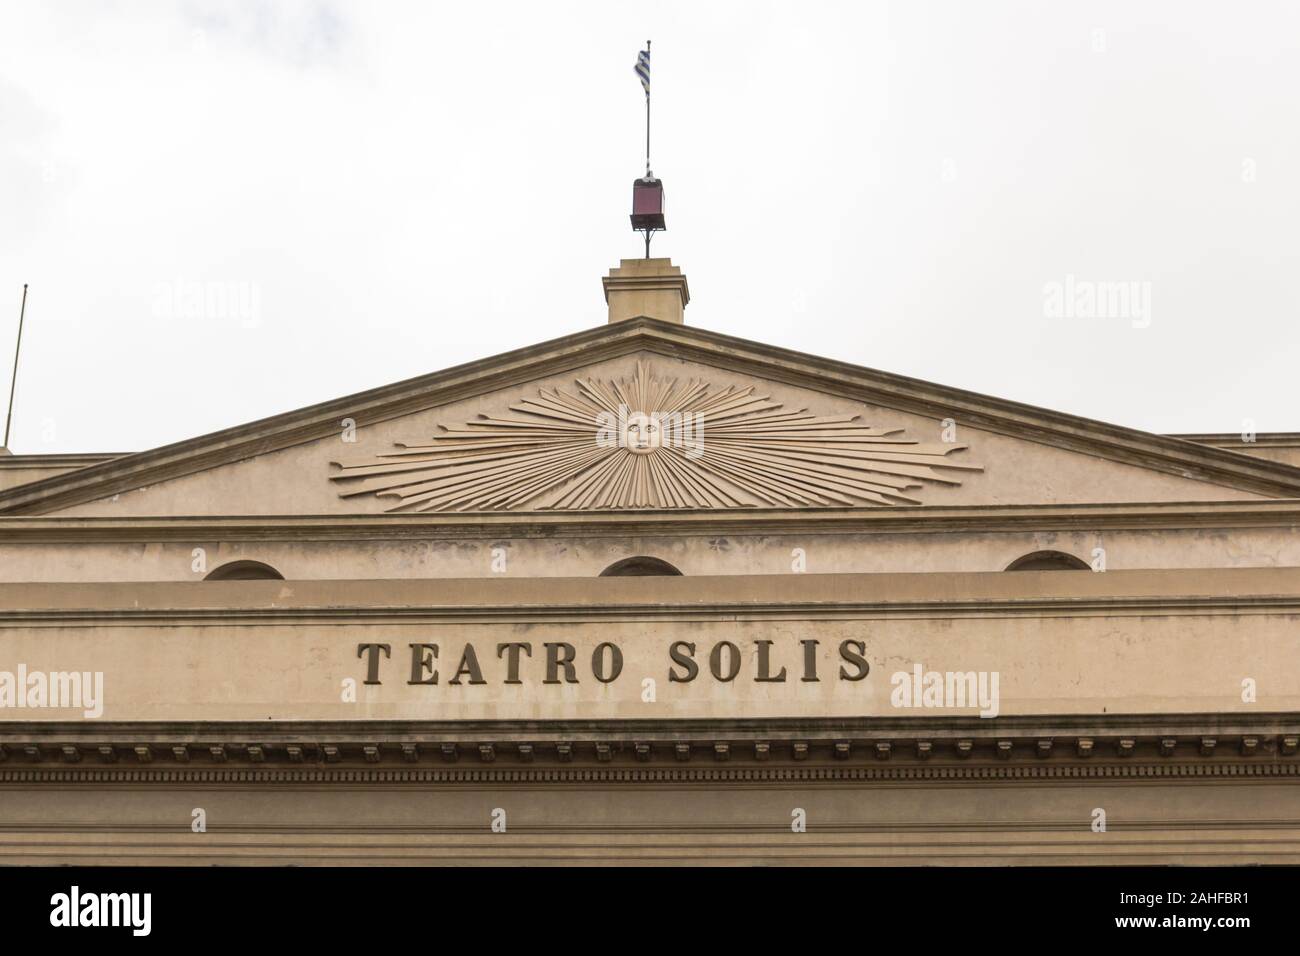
pixel 643 434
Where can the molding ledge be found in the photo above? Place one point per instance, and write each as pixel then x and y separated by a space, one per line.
pixel 1155 746
pixel 926 519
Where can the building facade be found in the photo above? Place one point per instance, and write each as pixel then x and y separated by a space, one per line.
pixel 648 593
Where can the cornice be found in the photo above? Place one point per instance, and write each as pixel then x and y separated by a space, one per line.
pixel 653 751
pixel 1236 591
pixel 1233 440
pixel 1170 455
pixel 789 610
pixel 937 519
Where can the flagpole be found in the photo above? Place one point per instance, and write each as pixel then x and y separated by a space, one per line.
pixel 647 139
pixel 647 131
pixel 649 219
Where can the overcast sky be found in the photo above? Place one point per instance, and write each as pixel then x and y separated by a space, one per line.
pixel 363 192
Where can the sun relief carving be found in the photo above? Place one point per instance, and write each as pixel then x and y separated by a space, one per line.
pixel 645 442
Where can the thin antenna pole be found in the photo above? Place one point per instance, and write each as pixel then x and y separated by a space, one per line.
pixel 22 312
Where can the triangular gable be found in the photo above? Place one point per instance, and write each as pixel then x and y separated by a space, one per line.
pixel 1237 475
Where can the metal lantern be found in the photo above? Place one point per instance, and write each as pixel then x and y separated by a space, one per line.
pixel 647 204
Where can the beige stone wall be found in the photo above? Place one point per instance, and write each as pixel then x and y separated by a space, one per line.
pixel 1130 642
pixel 1063 664
pixel 1118 690
pixel 437 555
pixel 705 818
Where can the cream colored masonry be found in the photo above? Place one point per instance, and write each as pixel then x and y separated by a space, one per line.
pixel 1128 642
pixel 1227 535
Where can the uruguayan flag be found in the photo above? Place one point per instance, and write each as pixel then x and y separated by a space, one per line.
pixel 643 69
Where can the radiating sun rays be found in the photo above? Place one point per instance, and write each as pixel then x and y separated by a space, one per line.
pixel 649 443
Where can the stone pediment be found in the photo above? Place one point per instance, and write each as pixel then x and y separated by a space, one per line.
pixel 645 441
pixel 570 425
